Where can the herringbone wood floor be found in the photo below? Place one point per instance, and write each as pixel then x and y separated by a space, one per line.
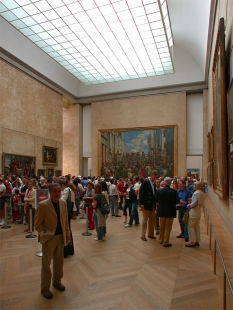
pixel 123 272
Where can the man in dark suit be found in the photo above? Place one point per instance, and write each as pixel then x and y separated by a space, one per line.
pixel 167 199
pixel 147 201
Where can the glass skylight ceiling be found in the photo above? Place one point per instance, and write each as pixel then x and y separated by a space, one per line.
pixel 98 41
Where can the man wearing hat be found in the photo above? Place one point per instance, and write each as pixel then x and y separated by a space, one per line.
pixel 167 199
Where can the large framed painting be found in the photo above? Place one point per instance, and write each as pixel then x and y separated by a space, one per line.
pixel 230 113
pixel 138 152
pixel 18 164
pixel 219 112
pixel 50 155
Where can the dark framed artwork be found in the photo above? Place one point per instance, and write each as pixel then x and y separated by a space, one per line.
pixel 219 112
pixel 210 173
pixel 18 164
pixel 41 172
pixel 50 155
pixel 138 152
pixel 230 113
pixel 49 173
pixel 58 173
pixel 231 175
pixel 211 144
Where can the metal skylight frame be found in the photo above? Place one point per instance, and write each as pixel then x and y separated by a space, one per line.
pixel 98 41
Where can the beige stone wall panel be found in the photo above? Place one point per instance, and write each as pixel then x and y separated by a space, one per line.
pixel 72 140
pixel 159 110
pixel 30 116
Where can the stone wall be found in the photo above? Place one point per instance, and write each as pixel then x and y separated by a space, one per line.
pixel 30 116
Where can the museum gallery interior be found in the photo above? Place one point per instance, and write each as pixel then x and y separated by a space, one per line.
pixel 95 87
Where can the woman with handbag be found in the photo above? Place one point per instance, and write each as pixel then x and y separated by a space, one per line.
pixel 67 194
pixel 29 202
pixel 198 200
pixel 99 218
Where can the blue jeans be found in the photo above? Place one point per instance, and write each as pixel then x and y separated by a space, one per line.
pixel 134 213
pixel 100 230
pixel 183 226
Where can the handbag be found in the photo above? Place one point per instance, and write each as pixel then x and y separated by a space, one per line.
pixel 70 205
pixel 185 218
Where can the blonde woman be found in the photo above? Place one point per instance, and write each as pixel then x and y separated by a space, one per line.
pixel 198 200
pixel 29 199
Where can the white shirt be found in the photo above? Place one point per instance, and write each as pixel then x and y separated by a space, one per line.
pixel 136 187
pixel 65 195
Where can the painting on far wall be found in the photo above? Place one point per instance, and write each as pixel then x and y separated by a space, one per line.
pixel 50 155
pixel 18 164
pixel 138 152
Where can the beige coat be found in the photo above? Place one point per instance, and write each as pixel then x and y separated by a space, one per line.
pixel 46 220
pixel 31 198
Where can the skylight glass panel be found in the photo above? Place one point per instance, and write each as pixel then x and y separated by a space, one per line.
pixel 51 15
pixel 63 11
pixel 47 26
pixel 18 24
pixel 22 2
pixel 20 13
pixel 10 4
pixel 43 5
pixel 98 41
pixel 31 9
pixel 44 35
pixel 55 4
pixel 9 16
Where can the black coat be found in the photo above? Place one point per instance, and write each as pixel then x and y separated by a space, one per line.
pixel 146 196
pixel 168 199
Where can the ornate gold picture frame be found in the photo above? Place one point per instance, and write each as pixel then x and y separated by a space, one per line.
pixel 219 112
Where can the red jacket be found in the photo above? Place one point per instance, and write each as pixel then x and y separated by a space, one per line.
pixel 120 188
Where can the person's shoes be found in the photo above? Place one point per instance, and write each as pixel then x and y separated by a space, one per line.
pixel 143 238
pixel 167 245
pixel 60 287
pixel 157 232
pixel 180 236
pixel 186 239
pixel 152 237
pixel 113 214
pixel 100 240
pixel 47 294
pixel 197 243
pixel 128 225
pixel 2 223
pixel 117 215
pixel 136 224
pixel 190 245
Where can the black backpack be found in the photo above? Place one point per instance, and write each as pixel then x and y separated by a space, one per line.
pixel 104 206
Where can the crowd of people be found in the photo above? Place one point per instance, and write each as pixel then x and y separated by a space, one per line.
pixel 157 198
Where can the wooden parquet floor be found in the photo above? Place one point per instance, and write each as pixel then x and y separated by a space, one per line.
pixel 123 272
